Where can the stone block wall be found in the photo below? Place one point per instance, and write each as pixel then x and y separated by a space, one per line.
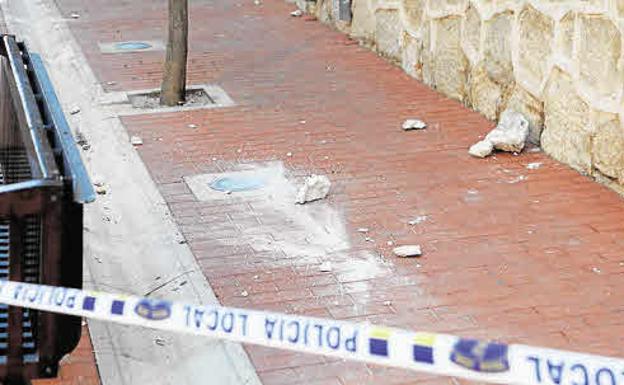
pixel 559 62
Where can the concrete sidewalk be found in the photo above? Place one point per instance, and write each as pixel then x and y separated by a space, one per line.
pixel 522 255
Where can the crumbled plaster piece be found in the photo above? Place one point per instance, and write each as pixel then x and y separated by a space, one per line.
pixel 192 125
pixel 362 230
pixel 74 15
pixel 511 132
pixel 534 165
pixel 74 110
pixel 481 149
pixel 407 251
pixel 296 13
pixel 136 141
pixel 509 135
pixel 417 220
pixel 414 124
pixel 315 187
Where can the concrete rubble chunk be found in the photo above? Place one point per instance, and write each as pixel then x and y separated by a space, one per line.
pixel 511 132
pixel 509 135
pixel 417 220
pixel 481 149
pixel 315 187
pixel 413 124
pixel 407 251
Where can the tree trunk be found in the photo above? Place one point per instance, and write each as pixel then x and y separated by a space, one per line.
pixel 173 89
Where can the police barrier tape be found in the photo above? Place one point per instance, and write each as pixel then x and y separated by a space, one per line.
pixel 434 353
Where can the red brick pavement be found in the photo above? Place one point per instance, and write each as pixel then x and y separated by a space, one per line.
pixel 536 261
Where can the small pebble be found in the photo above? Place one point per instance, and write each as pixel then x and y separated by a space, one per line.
pixel 101 190
pixel 325 267
pixel 413 124
pixel 74 15
pixel 192 126
pixel 289 154
pixel 389 243
pixel 387 303
pixel 407 251
pixel 596 270
pixel 74 110
pixel 245 293
pixel 362 230
pixel 534 165
pixel 136 141
pixel 159 341
pixel 297 13
pixel 417 220
pixel 111 83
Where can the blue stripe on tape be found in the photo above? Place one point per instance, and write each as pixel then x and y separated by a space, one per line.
pixel 117 307
pixel 88 303
pixel 423 354
pixel 378 347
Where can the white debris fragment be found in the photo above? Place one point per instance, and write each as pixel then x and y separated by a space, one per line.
pixel 74 110
pixel 517 179
pixel 596 270
pixel 257 2
pixel 481 149
pixel 101 190
pixel 245 293
pixel 362 230
pixel 407 251
pixel 159 341
pixel 289 154
pixel 389 243
pixel 325 267
pixel 315 187
pixel 111 83
pixel 417 220
pixel 414 124
pixel 387 303
pixel 509 135
pixel 74 15
pixel 192 125
pixel 136 141
pixel 296 13
pixel 534 165
pixel 511 132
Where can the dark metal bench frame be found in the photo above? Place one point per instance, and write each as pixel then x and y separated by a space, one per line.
pixel 44 187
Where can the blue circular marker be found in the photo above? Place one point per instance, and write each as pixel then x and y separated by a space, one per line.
pixel 237 183
pixel 132 45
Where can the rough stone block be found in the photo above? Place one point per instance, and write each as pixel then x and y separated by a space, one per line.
pixel 536 35
pixel 412 51
pixel 497 48
pixel 485 95
pixel 599 51
pixel 450 64
pixel 363 22
pixel 388 33
pixel 567 126
pixel 608 149
pixel 413 13
pixel 471 35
